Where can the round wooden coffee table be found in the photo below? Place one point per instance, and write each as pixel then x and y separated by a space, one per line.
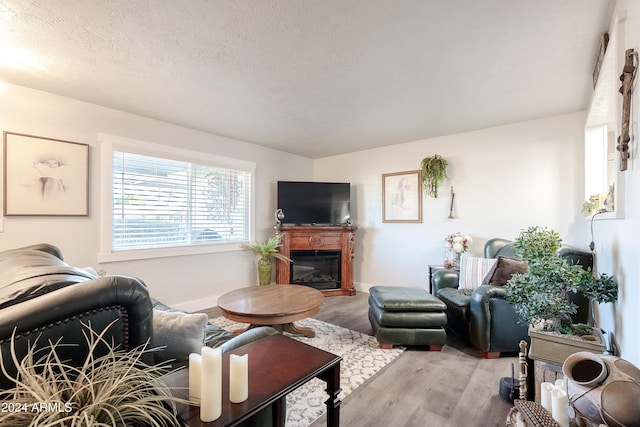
pixel 272 305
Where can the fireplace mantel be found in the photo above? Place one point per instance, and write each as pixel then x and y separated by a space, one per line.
pixel 342 238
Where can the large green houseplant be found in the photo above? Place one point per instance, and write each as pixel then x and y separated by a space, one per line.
pixel 267 250
pixel 539 295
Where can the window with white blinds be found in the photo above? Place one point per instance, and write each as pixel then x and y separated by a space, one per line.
pixel 163 201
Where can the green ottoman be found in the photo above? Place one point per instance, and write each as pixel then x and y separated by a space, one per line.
pixel 407 316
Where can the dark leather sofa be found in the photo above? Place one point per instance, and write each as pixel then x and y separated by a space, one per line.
pixel 483 316
pixel 43 300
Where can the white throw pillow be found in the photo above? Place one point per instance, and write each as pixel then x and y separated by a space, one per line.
pixel 473 270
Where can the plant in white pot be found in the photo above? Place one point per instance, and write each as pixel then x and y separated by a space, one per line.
pixel 267 250
pixel 541 295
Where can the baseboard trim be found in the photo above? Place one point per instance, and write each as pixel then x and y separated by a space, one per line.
pixel 362 287
pixel 199 304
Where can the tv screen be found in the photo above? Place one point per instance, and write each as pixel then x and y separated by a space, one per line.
pixel 304 203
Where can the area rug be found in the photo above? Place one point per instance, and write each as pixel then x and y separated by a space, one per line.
pixel 361 359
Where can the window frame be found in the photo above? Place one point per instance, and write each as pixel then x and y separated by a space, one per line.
pixel 111 143
pixel 602 128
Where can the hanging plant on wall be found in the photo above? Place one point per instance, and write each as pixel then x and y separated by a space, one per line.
pixel 434 172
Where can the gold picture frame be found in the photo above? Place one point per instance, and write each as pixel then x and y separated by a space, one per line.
pixel 402 197
pixel 45 176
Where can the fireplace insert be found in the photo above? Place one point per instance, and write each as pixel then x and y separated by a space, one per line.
pixel 319 269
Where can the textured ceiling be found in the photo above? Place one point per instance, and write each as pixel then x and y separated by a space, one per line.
pixel 315 78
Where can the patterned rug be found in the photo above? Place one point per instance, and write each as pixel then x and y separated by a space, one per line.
pixel 361 359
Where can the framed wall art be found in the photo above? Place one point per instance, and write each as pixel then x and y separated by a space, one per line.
pixel 402 197
pixel 45 176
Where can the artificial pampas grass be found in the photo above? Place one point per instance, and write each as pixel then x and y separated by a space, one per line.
pixel 117 389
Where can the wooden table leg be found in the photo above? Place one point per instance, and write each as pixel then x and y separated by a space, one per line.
pixel 332 378
pixel 298 330
pixel 278 415
pixel 287 327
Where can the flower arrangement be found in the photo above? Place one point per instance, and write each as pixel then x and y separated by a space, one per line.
pixel 458 243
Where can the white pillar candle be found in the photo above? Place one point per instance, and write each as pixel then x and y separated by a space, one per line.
pixel 559 384
pixel 195 373
pixel 211 390
pixel 559 402
pixel 545 395
pixel 238 378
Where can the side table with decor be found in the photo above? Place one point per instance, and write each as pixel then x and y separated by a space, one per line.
pixel 456 244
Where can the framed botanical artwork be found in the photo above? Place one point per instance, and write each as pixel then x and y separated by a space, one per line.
pixel 402 196
pixel 45 176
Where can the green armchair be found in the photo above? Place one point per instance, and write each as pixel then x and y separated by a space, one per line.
pixel 483 316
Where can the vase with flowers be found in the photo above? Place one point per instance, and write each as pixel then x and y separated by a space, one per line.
pixel 456 245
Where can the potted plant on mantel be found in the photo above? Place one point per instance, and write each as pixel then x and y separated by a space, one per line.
pixel 540 297
pixel 267 251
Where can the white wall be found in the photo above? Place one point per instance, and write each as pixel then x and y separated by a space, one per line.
pixel 617 240
pixel 193 281
pixel 505 179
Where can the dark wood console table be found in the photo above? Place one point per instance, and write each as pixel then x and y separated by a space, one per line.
pixel 320 237
pixel 277 366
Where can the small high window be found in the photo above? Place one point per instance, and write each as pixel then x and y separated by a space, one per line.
pixel 604 182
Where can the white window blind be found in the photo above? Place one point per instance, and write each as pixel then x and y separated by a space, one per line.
pixel 163 202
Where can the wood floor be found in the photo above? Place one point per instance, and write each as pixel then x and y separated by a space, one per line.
pixel 451 388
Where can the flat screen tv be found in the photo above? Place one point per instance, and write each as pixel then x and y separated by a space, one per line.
pixel 314 203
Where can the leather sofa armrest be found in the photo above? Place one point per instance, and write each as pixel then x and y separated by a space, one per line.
pixel 481 314
pixel 493 325
pixel 63 314
pixel 482 303
pixel 251 335
pixel 484 293
pixel 444 279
